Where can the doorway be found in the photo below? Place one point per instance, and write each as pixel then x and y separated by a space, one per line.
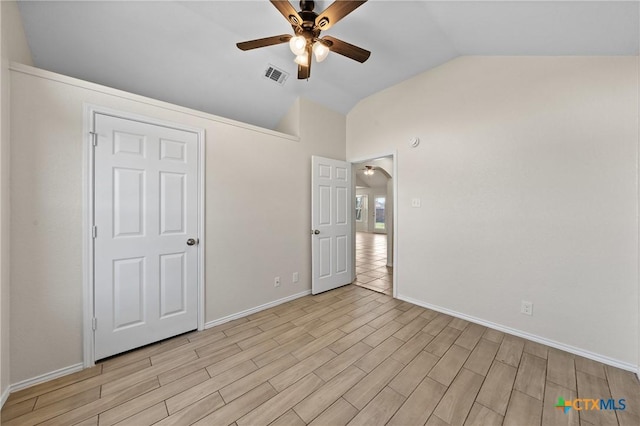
pixel 373 243
pixel 371 263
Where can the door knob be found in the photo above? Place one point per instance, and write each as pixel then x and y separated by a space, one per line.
pixel 316 231
pixel 191 242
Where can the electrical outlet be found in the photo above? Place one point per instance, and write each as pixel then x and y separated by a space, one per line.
pixel 296 277
pixel 276 282
pixel 526 308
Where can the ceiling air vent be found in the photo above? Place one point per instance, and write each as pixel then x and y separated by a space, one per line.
pixel 276 74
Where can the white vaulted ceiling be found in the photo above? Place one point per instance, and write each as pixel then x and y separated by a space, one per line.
pixel 184 52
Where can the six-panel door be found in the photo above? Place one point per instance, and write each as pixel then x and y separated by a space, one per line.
pixel 146 209
pixel 331 223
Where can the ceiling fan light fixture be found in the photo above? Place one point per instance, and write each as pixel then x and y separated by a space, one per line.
pixel 301 60
pixel 320 51
pixel 298 45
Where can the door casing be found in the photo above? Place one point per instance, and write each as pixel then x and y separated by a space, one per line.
pixel 88 213
pixel 394 155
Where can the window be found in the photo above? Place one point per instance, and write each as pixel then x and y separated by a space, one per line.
pixel 380 202
pixel 361 208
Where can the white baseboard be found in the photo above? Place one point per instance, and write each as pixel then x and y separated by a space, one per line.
pixel 78 367
pixel 564 347
pixel 4 396
pixel 571 349
pixel 256 309
pixel 46 377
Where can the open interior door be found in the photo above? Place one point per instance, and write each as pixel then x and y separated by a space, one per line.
pixel 332 241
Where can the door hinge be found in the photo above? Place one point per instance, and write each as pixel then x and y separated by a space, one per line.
pixel 94 232
pixel 94 323
pixel 94 138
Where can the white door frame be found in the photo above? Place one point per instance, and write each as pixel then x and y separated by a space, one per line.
pixel 90 112
pixel 394 155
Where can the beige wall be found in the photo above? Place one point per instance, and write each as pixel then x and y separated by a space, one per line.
pixel 263 229
pixel 290 123
pixel 12 48
pixel 257 210
pixel 526 173
pixel 527 176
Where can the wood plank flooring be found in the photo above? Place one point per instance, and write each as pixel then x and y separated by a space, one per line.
pixel 348 356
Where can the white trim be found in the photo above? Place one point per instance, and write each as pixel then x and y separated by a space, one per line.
pixel 88 354
pixel 4 396
pixel 202 170
pixel 394 157
pixel 90 112
pixel 46 377
pixel 564 347
pixel 79 367
pixel 394 277
pixel 256 309
pixel 637 182
pixel 48 75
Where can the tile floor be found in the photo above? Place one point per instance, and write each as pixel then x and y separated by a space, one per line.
pixel 371 261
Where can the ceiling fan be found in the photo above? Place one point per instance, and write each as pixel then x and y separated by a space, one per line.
pixel 369 170
pixel 306 40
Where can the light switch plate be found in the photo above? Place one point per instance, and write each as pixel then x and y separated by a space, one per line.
pixel 415 202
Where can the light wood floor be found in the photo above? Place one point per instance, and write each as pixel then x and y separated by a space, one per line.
pixel 371 261
pixel 349 356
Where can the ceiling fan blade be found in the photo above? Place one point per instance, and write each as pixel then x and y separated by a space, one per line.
pixel 345 49
pixel 304 71
pixel 288 12
pixel 335 12
pixel 263 42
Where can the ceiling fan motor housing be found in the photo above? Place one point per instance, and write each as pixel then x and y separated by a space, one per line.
pixel 308 16
pixel 307 5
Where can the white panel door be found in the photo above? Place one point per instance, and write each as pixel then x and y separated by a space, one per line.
pixel 146 210
pixel 331 204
